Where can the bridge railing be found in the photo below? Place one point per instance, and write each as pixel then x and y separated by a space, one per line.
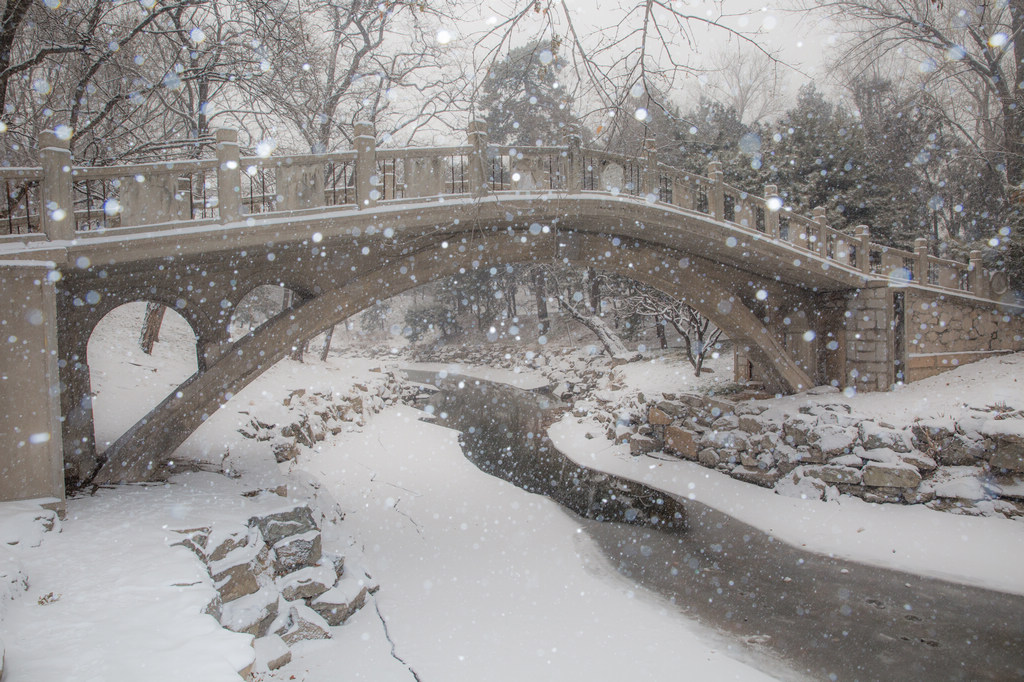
pixel 59 199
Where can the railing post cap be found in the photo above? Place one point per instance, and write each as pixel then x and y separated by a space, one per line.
pixel 863 231
pixel 921 242
pixel 364 128
pixel 48 138
pixel 477 125
pixel 771 190
pixel 819 210
pixel 225 135
pixel 975 255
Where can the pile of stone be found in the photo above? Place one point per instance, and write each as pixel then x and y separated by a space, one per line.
pixel 973 466
pixel 275 583
pixel 309 416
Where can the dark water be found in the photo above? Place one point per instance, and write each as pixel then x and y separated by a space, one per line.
pixel 825 618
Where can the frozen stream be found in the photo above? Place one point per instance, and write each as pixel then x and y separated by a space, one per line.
pixel 830 619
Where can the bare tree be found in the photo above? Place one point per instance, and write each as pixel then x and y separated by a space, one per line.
pixel 749 81
pixel 969 52
pixel 699 334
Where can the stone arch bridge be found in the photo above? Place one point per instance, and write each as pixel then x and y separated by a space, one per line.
pixel 805 304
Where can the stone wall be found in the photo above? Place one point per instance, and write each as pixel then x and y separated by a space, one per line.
pixel 868 339
pixel 945 332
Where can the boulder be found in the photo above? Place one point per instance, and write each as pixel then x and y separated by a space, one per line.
pixel 831 473
pixel 799 485
pixel 223 542
pixel 847 461
pixel 339 603
pixel 958 450
pixel 658 417
pixel 302 623
pixel 709 457
pixel 297 551
pixel 271 653
pixel 798 432
pixel 832 440
pixel 640 444
pixel 875 436
pixel 274 527
pixel 728 422
pixel 252 613
pixel 919 460
pixel 890 475
pixel 761 477
pixel 309 582
pixel 681 441
pixel 1007 436
pixel 750 424
pixel 237 574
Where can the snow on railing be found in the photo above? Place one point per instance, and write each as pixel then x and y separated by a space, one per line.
pixel 155 193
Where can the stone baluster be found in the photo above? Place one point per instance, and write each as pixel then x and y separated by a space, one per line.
pixel 716 192
pixel 229 175
pixel 821 220
pixel 574 160
pixel 367 193
pixel 921 262
pixel 864 248
pixel 478 166
pixel 772 203
pixel 975 278
pixel 651 174
pixel 55 189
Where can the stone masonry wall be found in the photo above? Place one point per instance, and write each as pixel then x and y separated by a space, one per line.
pixel 943 333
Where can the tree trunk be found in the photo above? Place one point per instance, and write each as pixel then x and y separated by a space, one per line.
pixel 151 327
pixel 595 291
pixel 327 343
pixel 659 325
pixel 543 323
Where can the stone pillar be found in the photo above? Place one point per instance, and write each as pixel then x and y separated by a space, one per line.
pixel 55 189
pixel 975 278
pixel 651 174
pixel 478 171
pixel 716 193
pixel 367 193
pixel 864 248
pixel 869 338
pixel 921 262
pixel 229 175
pixel 771 211
pixel 574 160
pixel 821 220
pixel 31 464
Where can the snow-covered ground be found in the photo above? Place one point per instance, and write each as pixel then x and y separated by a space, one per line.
pixel 479 580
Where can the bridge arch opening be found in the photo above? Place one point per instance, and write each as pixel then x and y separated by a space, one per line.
pixel 118 367
pixel 258 306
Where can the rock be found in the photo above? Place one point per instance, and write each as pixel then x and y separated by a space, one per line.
pixel 681 441
pixel 929 434
pixel 959 450
pixel 875 436
pixel 750 424
pixel 252 613
pixel 215 606
pixel 799 485
pixel 297 551
pixel 761 477
pixel 309 582
pixel 223 542
pixel 835 474
pixel 887 475
pixel 728 422
pixel 886 455
pixel 912 496
pixel 274 527
pixel 877 495
pixel 302 623
pixel 798 432
pixel 709 457
pixel 847 461
pixel 1007 436
pixel 919 460
pixel 236 574
pixel 832 440
pixel 339 603
pixel 195 539
pixel 657 417
pixel 271 653
pixel 640 444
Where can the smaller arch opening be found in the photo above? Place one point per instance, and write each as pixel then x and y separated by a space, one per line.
pixel 260 305
pixel 126 382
